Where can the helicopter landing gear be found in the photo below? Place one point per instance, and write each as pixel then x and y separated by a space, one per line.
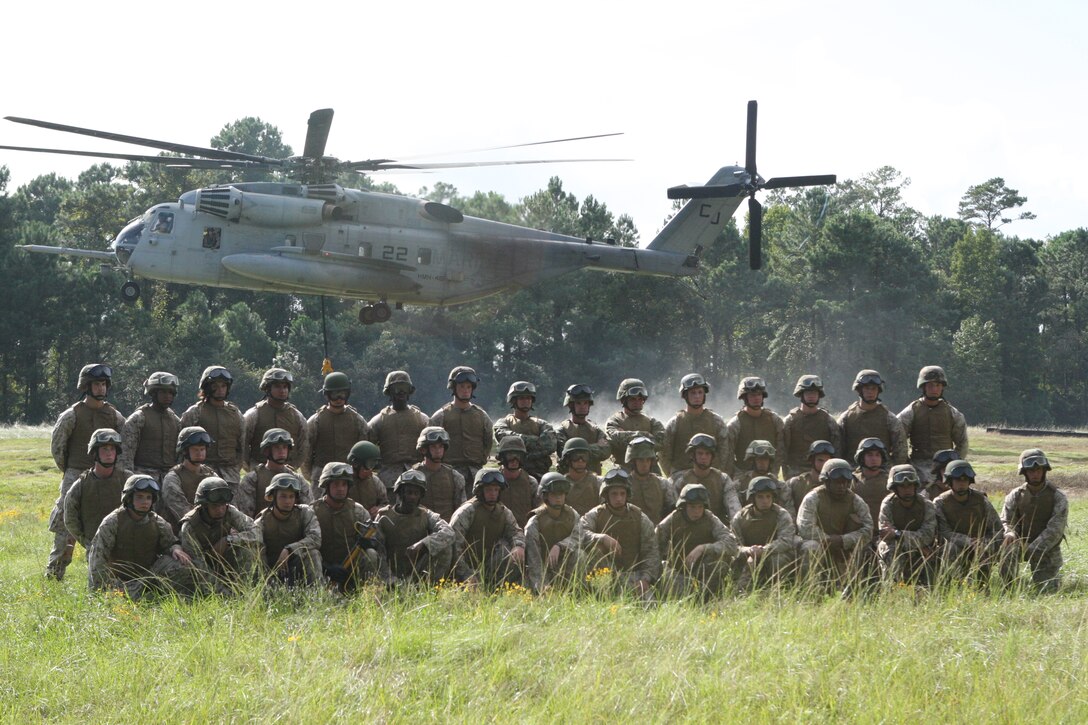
pixel 378 312
pixel 130 292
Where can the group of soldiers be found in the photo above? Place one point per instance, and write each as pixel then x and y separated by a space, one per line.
pixel 683 506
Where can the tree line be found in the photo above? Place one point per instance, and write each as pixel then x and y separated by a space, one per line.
pixel 853 278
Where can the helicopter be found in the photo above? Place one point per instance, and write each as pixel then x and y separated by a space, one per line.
pixel 314 236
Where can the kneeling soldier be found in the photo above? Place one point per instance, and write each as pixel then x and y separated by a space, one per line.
pixel 908 528
pixel 349 552
pixel 621 537
pixel 290 535
pixel 1034 516
pixel 696 545
pixel 180 482
pixel 490 546
pixel 650 492
pixel 366 488
pixel 445 484
pixel 553 537
pixel 95 492
pixel 967 524
pixel 276 446
pixel 418 542
pixel 835 524
pixel 766 535
pixel 220 539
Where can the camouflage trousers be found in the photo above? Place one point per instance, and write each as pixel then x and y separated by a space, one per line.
pixel 924 467
pixel 771 568
pixel 166 575
pixel 60 555
pixel 961 560
pixel 225 574
pixel 900 564
pixel 540 576
pixel 705 579
pixel 469 471
pixel 430 568
pixel 1045 567
pixel 303 567
pixel 820 564
pixel 348 579
pixel 497 568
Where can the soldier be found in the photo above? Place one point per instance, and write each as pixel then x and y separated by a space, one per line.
pixel 223 422
pixel 651 493
pixel 367 489
pixel 553 538
pixel 620 537
pixel 350 543
pixel 276 411
pixel 579 400
pixel 871 474
pixel 807 423
pixel 702 451
pixel 868 418
pixel 418 543
pixel 695 418
pixel 630 422
pixel 931 424
pixel 220 539
pixel 696 546
pixel 149 433
pixel 766 535
pixel 938 485
pixel 289 533
pixel 180 482
pixel 967 524
pixel 819 453
pixel 335 428
pixel 752 422
pixel 1034 518
pixel 396 428
pixel 490 546
pixel 134 549
pixel 537 433
pixel 96 492
pixel 760 459
pixel 521 494
pixel 585 487
pixel 469 426
pixel 69 446
pixel 834 524
pixel 908 529
pixel 445 484
pixel 276 445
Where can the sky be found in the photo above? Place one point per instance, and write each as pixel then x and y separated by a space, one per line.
pixel 951 94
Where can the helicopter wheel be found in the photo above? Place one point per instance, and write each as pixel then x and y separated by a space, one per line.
pixel 130 292
pixel 382 313
pixel 366 314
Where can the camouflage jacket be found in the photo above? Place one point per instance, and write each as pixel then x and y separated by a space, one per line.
pixel 924 536
pixel 784 531
pixel 808 522
pixel 100 555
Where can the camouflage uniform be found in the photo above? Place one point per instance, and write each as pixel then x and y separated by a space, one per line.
pixel 147 441
pixel 821 516
pixel 91 499
pixel 399 531
pixel 677 536
pixel 858 424
pixel 970 533
pixel 179 491
pixel 218 572
pixel 396 432
pixel 445 489
pixel 251 491
pixel 539 438
pixel 680 429
pixel 783 495
pixel 641 557
pixel 930 429
pixel 799 487
pixel 654 495
pixel 471 432
pixel 484 540
pixel 339 531
pixel 542 532
pixel 1038 521
pixel 724 500
pixel 584 493
pixel 299 533
pixel 135 556
pixel 268 414
pixel 227 428
pixel 742 429
pixel 799 431
pixel 521 496
pixel 625 426
pixel 600 448
pixel 330 436
pixel 775 532
pixel 906 556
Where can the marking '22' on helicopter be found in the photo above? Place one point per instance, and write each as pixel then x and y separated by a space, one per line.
pixel 317 237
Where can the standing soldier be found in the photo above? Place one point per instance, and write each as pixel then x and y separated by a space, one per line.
pixel 807 423
pixel 760 459
pixel 149 434
pixel 395 429
pixel 766 535
pixel 276 411
pixel 579 400
pixel 702 451
pixel 834 524
pixel 69 446
pixel 275 451
pixel 697 547
pixel 180 482
pixel 553 538
pixel 418 543
pixel 344 524
pixel 366 488
pixel 223 422
pixel 620 537
pixel 490 546
pixel 752 422
pixel 938 485
pixel 445 484
pixel 335 428
pixel 134 549
pixel 289 533
pixel 1034 518
pixel 98 489
pixel 868 418
pixel 967 524
pixel 585 486
pixel 930 423
pixel 630 422
pixel 695 418
pixel 469 426
pixel 537 433
pixel 651 493
pixel 521 494
pixel 220 539
pixel 819 453
pixel 908 528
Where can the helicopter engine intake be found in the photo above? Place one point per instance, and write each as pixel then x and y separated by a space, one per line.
pixel 266 210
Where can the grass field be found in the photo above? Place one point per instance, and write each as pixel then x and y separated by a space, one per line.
pixel 437 655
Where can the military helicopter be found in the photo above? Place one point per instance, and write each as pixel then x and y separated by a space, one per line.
pixel 316 237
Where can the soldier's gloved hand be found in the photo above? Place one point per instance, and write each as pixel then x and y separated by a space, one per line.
pixel 834 544
pixel 517 555
pixel 756 552
pixel 415 550
pixel 220 547
pixel 694 555
pixel 553 556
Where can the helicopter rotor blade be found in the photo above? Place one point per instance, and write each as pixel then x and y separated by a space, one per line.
pixel 151 143
pixel 317 133
pixel 386 165
pixel 750 142
pixel 511 146
pixel 781 182
pixel 755 233
pixel 174 161
pixel 706 192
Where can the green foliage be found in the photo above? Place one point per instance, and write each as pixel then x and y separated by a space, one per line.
pixel 987 202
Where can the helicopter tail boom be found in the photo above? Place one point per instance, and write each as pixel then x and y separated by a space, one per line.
pixel 700 220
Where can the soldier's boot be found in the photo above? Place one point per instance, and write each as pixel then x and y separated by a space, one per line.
pixel 60 556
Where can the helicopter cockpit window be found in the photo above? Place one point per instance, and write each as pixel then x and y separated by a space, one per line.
pixel 211 237
pixel 164 222
pixel 365 249
pixel 424 256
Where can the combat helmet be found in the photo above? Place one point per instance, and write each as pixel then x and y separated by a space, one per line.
pixel 751 384
pixel 365 454
pixel 632 388
pixel 578 392
pixel 335 471
pixel 486 477
pixel 432 434
pixel 693 493
pixel 760 484
pixel 819 447
pixel 336 381
pixel 518 389
pixel 397 377
pixel 959 469
pixel 808 382
pixel 1033 458
pixel 192 435
pixel 511 444
pixel 942 458
pixel 702 440
pixel 272 436
pixel 411 477
pixel 161 381
pixel 868 377
pixel 836 468
pixel 575 445
pixel 139 482
pixel 759 448
pixel 640 447
pixel 95 371
pixel 103 437
pixel 615 478
pixel 276 375
pixel 870 444
pixel 213 490
pixel 693 380
pixel 462 374
pixel 931 374
pixel 284 481
pixel 901 474
pixel 213 373
pixel 553 482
